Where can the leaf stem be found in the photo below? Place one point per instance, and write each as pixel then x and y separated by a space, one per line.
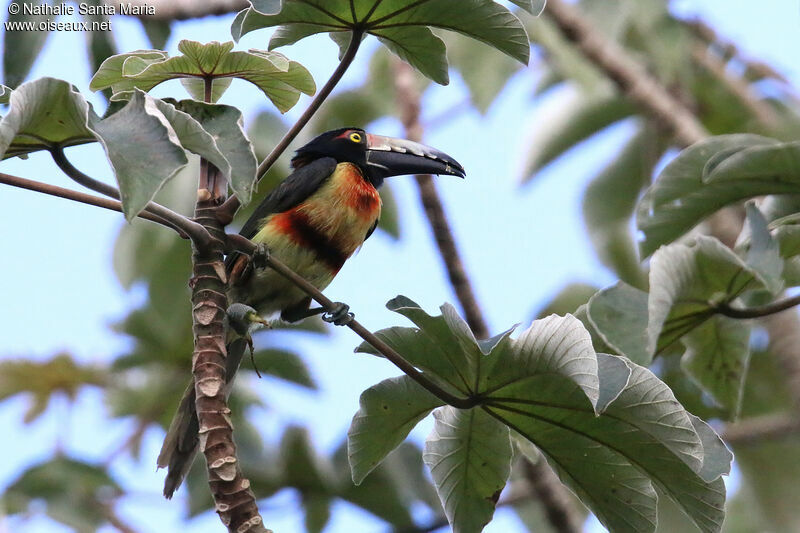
pixel 757 311
pixel 227 210
pixel 81 197
pixel 196 232
pixel 246 246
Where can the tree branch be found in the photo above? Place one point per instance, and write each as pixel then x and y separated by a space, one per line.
pixel 76 196
pixel 234 501
pixel 758 311
pixel 626 72
pixel 228 209
pixel 246 246
pixel 197 233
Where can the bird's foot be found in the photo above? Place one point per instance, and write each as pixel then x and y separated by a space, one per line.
pixel 260 256
pixel 340 316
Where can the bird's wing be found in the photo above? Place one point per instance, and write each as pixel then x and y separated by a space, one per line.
pixel 298 186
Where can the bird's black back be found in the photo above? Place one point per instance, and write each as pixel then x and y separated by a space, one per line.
pixel 292 191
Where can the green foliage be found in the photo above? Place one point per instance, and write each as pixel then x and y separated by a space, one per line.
pixel 708 176
pixel 402 26
pixel 609 427
pixel 280 79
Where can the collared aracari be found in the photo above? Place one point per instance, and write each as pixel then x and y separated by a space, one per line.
pixel 313 222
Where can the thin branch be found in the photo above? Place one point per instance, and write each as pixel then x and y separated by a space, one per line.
pixel 409 99
pixel 246 246
pixel 759 310
pixel 196 232
pixel 228 209
pixel 626 72
pixel 76 196
pixel 556 501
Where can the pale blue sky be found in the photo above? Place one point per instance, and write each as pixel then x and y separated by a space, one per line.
pixel 490 213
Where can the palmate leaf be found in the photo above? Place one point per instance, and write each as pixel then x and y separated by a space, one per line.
pixel 145 141
pixel 280 79
pixel 687 283
pixel 619 315
pixel 717 355
pixel 403 26
pixel 612 430
pixel 469 455
pixel 710 175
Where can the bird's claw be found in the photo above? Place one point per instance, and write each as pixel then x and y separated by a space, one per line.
pixel 340 316
pixel 260 256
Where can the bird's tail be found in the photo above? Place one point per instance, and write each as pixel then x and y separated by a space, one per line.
pixel 181 443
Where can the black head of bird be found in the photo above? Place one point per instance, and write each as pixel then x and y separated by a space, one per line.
pixel 377 156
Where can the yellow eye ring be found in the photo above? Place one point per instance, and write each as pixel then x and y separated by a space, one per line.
pixel 355 137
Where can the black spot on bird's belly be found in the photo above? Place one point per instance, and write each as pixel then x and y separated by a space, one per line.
pixel 327 249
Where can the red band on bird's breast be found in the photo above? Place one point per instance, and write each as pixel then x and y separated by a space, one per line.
pixel 298 228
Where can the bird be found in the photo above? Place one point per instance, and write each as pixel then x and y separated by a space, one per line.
pixel 313 221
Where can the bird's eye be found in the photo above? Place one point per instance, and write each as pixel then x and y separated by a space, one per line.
pixel 355 137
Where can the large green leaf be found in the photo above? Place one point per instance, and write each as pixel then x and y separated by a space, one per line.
pixel 687 283
pixel 642 436
pixel 717 353
pixel 142 149
pixel 689 188
pixel 619 315
pixel 44 113
pixel 388 412
pixel 280 79
pixel 764 252
pixel 609 426
pixel 224 125
pixel 469 454
pixel 401 25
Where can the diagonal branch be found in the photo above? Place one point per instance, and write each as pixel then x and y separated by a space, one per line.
pixel 196 232
pixel 244 245
pixel 76 196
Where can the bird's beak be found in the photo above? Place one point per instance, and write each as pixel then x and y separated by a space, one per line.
pixel 387 156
